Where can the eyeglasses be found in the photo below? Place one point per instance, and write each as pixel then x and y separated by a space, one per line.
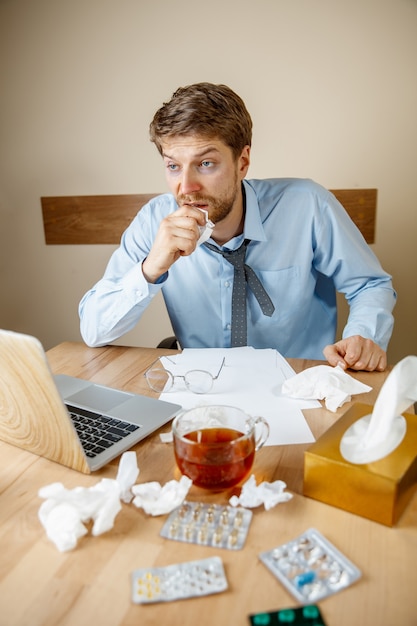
pixel 197 381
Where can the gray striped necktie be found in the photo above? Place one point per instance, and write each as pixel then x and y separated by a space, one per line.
pixel 243 274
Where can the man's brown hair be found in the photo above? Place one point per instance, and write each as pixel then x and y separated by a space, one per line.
pixel 205 109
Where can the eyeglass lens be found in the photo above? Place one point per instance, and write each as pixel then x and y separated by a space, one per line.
pixel 198 381
pixel 159 379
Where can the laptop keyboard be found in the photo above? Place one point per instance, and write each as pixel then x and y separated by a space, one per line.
pixel 98 432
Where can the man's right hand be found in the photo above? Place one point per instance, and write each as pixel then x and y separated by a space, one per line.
pixel 356 353
pixel 177 236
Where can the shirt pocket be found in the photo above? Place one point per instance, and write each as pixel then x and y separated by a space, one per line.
pixel 285 290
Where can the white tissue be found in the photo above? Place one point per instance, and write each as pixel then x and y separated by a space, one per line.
pixel 65 511
pixel 155 499
pixel 60 519
pixel 375 436
pixel 127 474
pixel 268 494
pixel 205 231
pixel 166 437
pixel 324 382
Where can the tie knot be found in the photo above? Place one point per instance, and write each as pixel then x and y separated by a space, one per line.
pixel 236 257
pixel 239 253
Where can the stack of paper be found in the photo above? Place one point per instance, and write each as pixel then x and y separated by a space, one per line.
pixel 250 380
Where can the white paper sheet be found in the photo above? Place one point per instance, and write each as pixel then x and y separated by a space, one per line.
pixel 250 380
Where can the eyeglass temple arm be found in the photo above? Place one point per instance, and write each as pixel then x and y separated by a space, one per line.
pixel 156 360
pixel 221 367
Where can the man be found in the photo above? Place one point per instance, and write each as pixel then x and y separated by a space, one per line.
pixel 292 233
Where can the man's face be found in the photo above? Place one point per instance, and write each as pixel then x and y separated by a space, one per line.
pixel 203 172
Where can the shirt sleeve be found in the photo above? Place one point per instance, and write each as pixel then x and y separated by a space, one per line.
pixel 357 273
pixel 371 316
pixel 115 304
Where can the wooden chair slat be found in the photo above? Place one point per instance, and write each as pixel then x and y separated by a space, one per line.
pixel 102 219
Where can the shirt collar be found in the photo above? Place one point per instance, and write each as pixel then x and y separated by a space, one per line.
pixel 253 228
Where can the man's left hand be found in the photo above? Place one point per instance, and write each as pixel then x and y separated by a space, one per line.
pixel 356 353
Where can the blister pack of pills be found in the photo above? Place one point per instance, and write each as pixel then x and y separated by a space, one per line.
pixel 179 581
pixel 208 525
pixel 308 615
pixel 310 567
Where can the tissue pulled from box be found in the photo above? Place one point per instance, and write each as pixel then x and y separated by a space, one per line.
pixel 156 499
pixel 374 436
pixel 268 494
pixel 65 512
pixel 397 394
pixel 324 382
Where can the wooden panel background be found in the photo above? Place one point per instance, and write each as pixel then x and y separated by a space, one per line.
pixel 102 219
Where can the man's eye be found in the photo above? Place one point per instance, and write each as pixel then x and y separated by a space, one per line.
pixel 172 167
pixel 206 163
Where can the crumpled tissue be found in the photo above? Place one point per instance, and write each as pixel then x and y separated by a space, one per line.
pixel 156 499
pixel 268 494
pixel 65 511
pixel 206 230
pixel 324 382
pixel 126 475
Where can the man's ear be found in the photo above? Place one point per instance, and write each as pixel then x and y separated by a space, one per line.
pixel 244 161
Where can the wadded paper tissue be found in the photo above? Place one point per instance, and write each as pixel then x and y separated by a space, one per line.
pixel 65 512
pixel 268 494
pixel 324 382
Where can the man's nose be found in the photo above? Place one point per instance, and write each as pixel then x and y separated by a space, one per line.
pixel 189 182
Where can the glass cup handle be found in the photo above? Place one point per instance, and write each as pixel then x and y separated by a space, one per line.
pixel 263 432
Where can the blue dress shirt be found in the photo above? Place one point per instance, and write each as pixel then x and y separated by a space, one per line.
pixel 303 247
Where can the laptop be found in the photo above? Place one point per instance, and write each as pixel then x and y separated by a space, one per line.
pixel 74 422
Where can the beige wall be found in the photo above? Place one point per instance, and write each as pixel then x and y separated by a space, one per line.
pixel 331 86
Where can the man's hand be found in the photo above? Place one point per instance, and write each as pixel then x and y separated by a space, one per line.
pixel 177 236
pixel 356 353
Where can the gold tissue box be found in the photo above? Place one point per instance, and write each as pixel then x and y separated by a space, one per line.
pixel 380 490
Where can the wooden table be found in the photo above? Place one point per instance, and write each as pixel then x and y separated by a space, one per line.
pixel 91 584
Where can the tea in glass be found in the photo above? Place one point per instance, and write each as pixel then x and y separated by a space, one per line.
pixel 215 446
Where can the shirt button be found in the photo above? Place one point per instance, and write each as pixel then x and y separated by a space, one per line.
pixel 228 326
pixel 227 283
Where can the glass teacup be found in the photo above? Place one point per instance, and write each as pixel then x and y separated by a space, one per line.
pixel 215 445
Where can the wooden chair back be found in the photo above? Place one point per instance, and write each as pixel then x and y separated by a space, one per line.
pixel 103 219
